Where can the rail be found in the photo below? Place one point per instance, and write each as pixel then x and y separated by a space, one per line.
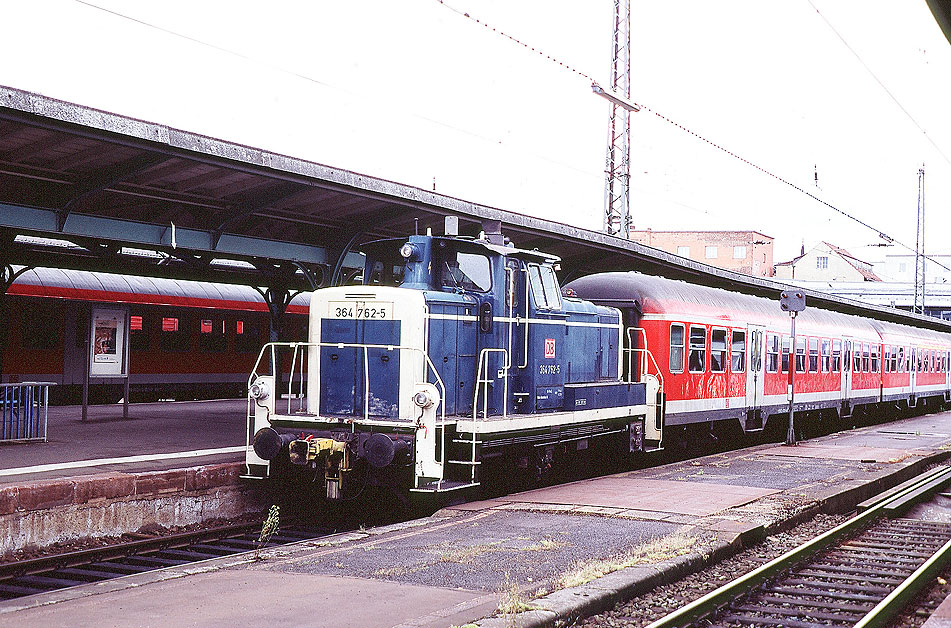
pixel 646 354
pixel 710 603
pixel 23 411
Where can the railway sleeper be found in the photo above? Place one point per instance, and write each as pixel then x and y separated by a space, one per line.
pixel 795 612
pixel 816 573
pixel 850 568
pixel 836 586
pixel 821 593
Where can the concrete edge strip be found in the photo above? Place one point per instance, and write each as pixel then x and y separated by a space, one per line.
pixel 81 464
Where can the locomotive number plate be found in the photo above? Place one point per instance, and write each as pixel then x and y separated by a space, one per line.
pixel 367 310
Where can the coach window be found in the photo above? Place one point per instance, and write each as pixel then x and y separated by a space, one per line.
pixel 772 353
pixel 696 362
pixel 138 333
pixel 813 355
pixel 676 348
pixel 857 357
pixel 785 354
pixel 826 355
pixel 738 351
pixel 887 359
pixel 836 356
pixel 800 355
pixel 866 359
pixel 174 334
pixel 874 349
pixel 900 360
pixel 40 325
pixel 718 352
pixel 211 336
pixel 246 339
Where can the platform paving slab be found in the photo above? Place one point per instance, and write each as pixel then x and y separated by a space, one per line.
pixel 466 557
pixel 152 428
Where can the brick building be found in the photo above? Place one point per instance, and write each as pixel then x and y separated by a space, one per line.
pixel 749 252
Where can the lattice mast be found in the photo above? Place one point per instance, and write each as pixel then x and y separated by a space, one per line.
pixel 920 259
pixel 617 202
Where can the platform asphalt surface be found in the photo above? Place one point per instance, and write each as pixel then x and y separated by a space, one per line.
pixel 193 432
pixel 652 525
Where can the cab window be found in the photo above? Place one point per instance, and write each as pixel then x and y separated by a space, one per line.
pixel 545 289
pixel 468 271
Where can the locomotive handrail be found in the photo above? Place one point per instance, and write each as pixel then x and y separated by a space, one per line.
pixel 484 360
pixel 646 354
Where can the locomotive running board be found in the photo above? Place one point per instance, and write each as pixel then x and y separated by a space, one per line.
pixel 443 486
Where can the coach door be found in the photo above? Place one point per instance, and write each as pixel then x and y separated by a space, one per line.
pixel 846 387
pixel 754 378
pixel 913 372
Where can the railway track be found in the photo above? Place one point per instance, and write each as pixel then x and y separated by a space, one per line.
pixel 861 573
pixel 61 571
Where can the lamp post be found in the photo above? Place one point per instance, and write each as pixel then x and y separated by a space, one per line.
pixel 792 302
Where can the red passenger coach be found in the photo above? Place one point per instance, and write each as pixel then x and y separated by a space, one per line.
pixel 188 339
pixel 725 356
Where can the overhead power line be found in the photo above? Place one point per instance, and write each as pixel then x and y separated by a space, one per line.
pixel 879 81
pixel 365 96
pixel 636 106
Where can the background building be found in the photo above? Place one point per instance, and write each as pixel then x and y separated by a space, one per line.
pixel 826 262
pixel 901 267
pixel 749 252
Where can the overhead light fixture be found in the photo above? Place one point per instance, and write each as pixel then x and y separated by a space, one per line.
pixel 617 99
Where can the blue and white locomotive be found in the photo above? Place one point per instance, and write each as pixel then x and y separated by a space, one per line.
pixel 454 353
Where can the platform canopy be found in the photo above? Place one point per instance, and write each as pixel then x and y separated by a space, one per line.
pixel 88 189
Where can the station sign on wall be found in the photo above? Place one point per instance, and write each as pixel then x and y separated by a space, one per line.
pixel 109 328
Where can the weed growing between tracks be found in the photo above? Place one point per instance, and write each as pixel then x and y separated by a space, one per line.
pixel 268 528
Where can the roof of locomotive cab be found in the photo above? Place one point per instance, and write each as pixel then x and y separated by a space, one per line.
pixel 474 243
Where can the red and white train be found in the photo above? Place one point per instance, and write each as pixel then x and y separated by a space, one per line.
pixel 188 339
pixel 722 355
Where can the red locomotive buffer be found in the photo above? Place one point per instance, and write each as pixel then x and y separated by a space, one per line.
pixel 188 340
pixel 724 356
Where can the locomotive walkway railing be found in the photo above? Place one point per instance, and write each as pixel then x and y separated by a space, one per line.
pixel 645 354
pixel 23 411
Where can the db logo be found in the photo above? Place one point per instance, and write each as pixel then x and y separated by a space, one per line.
pixel 549 347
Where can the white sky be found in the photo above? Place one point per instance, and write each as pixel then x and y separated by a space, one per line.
pixel 411 91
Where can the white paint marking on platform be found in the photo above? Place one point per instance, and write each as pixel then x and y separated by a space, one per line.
pixel 79 464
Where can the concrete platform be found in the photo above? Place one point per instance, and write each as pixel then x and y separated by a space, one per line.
pixel 155 437
pixel 543 548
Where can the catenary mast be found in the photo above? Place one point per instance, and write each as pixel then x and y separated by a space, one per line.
pixel 617 204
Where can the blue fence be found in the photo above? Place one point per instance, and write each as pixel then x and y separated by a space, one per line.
pixel 23 411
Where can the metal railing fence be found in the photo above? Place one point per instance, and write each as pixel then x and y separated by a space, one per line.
pixel 23 411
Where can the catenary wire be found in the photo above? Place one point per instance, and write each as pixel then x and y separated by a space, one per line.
pixel 310 79
pixel 880 83
pixel 700 137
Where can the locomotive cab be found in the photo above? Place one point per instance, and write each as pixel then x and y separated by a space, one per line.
pixel 450 350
